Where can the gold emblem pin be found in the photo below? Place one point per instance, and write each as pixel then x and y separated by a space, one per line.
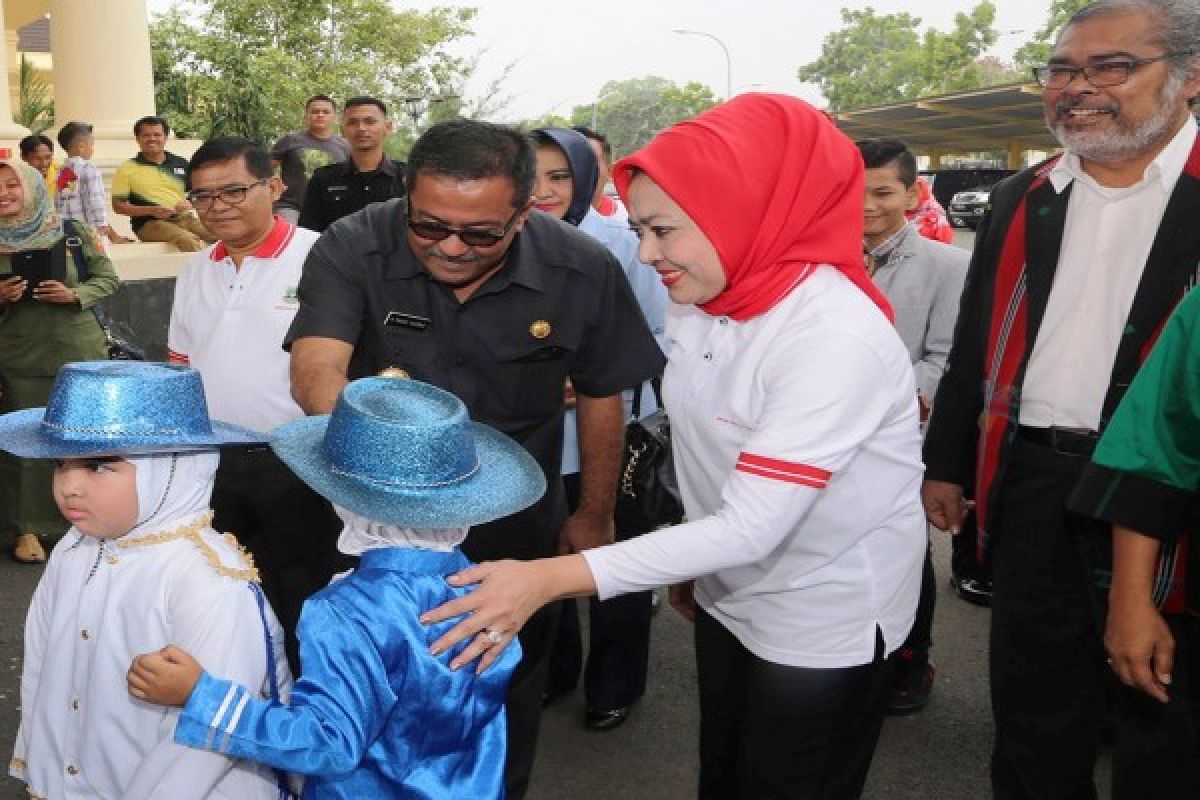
pixel 540 329
pixel 393 372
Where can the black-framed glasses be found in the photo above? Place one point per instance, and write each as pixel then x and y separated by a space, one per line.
pixel 472 237
pixel 1101 75
pixel 229 195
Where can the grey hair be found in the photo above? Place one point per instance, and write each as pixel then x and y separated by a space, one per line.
pixel 1177 28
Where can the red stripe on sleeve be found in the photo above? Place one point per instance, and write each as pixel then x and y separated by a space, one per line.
pixel 802 480
pixel 177 358
pixel 788 467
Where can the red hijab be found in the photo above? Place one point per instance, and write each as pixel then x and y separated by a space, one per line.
pixel 776 188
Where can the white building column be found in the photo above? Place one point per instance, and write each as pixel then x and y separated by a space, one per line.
pixel 102 71
pixel 9 130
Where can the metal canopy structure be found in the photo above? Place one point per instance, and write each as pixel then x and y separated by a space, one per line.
pixel 1007 118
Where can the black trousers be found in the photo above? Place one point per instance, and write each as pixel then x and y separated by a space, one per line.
pixel 618 643
pixel 966 561
pixel 771 732
pixel 914 653
pixel 1050 681
pixel 289 529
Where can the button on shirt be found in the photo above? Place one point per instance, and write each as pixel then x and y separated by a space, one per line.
pixel 798 457
pixel 1106 241
pixel 229 323
pixel 559 308
pixel 340 189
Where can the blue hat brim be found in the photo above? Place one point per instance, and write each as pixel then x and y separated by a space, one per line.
pixel 22 434
pixel 508 480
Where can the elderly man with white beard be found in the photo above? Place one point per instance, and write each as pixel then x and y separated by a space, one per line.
pixel 1077 265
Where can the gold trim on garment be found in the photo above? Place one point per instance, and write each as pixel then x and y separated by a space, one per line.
pixel 191 532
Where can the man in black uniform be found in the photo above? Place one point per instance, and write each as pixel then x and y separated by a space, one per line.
pixel 465 287
pixel 336 190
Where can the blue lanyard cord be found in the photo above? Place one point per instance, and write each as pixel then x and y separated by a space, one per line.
pixel 285 792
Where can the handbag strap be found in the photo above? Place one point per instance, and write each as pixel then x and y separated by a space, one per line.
pixel 635 413
pixel 285 792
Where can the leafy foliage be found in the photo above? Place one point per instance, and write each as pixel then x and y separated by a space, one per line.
pixel 35 103
pixel 631 112
pixel 1037 52
pixel 882 58
pixel 245 67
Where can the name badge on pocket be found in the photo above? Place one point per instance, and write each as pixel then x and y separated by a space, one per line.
pixel 398 319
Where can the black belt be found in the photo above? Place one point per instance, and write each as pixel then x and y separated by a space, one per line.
pixel 1067 441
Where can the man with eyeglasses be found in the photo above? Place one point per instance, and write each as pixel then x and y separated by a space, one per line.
pixel 465 287
pixel 1077 264
pixel 233 304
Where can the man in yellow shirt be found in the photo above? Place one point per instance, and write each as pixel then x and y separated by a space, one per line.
pixel 150 189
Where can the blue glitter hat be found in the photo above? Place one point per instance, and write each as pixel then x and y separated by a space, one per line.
pixel 119 408
pixel 402 452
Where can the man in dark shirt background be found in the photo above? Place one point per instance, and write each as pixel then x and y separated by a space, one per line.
pixel 368 177
pixel 466 287
pixel 298 155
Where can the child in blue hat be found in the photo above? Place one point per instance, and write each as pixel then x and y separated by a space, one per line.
pixel 140 567
pixel 374 713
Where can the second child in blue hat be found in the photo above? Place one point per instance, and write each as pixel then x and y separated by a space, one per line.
pixel 374 713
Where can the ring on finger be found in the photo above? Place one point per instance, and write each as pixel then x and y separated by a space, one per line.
pixel 492 635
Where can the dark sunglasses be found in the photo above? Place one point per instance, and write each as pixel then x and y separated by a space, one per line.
pixel 472 237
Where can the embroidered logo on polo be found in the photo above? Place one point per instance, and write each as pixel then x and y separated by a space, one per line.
pixel 399 319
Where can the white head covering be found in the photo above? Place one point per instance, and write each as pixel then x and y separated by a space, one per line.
pixel 361 534
pixel 173 489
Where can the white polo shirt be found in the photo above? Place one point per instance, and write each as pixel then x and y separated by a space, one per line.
pixel 797 449
pixel 229 323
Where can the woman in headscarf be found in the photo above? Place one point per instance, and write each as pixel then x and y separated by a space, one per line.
pixel 794 416
pixel 619 629
pixel 42 327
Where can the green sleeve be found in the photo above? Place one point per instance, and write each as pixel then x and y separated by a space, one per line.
pixel 103 280
pixel 1145 473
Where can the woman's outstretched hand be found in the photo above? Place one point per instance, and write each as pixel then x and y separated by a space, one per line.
pixel 506 596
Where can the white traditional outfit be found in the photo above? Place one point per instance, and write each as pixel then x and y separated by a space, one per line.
pixel 100 603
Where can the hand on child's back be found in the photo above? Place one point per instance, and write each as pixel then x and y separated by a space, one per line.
pixel 166 677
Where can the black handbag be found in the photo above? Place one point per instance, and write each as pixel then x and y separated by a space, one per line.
pixel 647 491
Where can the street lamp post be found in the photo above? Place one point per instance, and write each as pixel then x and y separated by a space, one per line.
pixel 724 49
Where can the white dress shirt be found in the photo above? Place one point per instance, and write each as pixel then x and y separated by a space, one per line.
pixel 1106 241
pixel 798 456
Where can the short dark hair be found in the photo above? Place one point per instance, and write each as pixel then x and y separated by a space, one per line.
pixel 72 131
pixel 470 149
pixel 595 136
pixel 228 148
pixel 151 120
pixel 364 100
pixel 878 153
pixel 32 142
pixel 320 98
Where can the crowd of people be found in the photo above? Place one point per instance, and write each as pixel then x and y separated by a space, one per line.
pixel 405 387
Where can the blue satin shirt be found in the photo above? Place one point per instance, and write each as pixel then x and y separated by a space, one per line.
pixel 373 714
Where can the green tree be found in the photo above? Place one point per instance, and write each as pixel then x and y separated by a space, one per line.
pixel 245 66
pixel 882 58
pixel 35 105
pixel 631 112
pixel 1037 52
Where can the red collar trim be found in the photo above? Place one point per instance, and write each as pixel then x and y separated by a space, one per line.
pixel 272 247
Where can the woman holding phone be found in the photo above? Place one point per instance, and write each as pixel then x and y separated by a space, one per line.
pixel 45 321
pixel 794 416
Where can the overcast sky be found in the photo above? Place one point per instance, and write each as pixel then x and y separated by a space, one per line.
pixel 565 50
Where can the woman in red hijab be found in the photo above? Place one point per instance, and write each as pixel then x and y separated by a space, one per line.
pixel 794 417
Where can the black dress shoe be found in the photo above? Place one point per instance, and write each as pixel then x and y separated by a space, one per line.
pixel 605 720
pixel 975 591
pixel 911 690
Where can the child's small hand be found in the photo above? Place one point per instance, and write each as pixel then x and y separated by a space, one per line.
pixel 166 677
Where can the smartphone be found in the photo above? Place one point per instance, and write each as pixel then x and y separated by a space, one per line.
pixel 34 266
